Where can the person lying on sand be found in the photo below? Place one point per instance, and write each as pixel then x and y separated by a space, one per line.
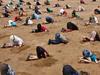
pixel 14 41
pixel 40 28
pixel 80 9
pixel 88 57
pixel 28 21
pixel 67 6
pixel 16 7
pixel 41 53
pixel 6 69
pixel 47 2
pixel 29 5
pixel 63 12
pixel 21 11
pixel 59 38
pixel 5 12
pixel 49 10
pixel 17 18
pixel 82 1
pixel 57 5
pixel 20 2
pixel 35 16
pixel 37 10
pixel 97 10
pixel 75 14
pixel 70 27
pixel 6 45
pixel 92 20
pixel 49 19
pixel 11 23
pixel 38 3
pixel 69 70
pixel 94 36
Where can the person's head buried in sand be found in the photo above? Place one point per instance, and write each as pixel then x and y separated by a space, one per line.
pixel 40 28
pixel 94 36
pixel 70 27
pixel 14 41
pixel 41 53
pixel 59 38
pixel 6 69
pixel 92 20
pixel 89 57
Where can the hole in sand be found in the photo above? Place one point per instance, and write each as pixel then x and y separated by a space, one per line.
pixel 45 62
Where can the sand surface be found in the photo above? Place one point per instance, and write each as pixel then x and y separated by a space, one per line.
pixel 62 53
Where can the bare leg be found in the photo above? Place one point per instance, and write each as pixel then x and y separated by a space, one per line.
pixel 82 59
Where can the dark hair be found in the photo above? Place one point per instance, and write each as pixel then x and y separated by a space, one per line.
pixel 39 27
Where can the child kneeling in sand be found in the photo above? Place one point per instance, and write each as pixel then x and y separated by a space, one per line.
pixel 41 53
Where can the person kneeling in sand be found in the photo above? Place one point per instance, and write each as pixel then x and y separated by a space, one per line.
pixel 75 14
pixel 80 9
pixel 70 27
pixel 59 38
pixel 41 53
pixel 88 57
pixel 92 20
pixel 28 21
pixel 94 36
pixel 11 23
pixel 82 1
pixel 40 28
pixel 63 12
pixel 14 41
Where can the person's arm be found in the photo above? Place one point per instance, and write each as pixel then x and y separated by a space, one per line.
pixel 46 53
pixel 87 60
pixel 96 61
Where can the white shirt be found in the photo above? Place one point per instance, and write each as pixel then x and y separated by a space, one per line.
pixel 93 34
pixel 16 40
pixel 80 8
pixel 9 23
pixel 30 22
pixel 96 20
pixel 62 11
